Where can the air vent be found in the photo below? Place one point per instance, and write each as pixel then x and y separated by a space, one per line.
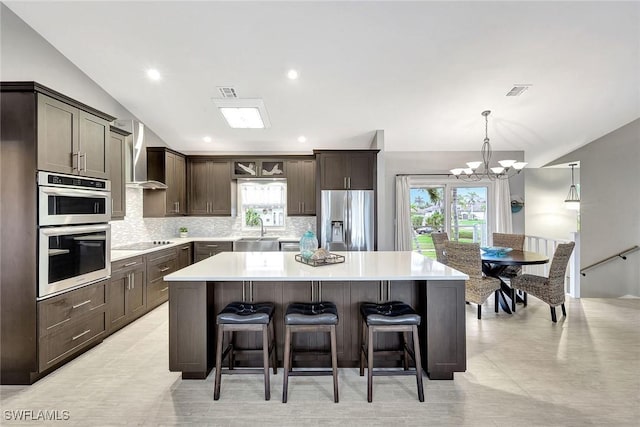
pixel 228 92
pixel 517 90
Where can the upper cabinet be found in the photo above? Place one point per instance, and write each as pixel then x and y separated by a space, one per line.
pixel 301 187
pixel 209 186
pixel 258 168
pixel 169 167
pixel 71 137
pixel 347 170
pixel 118 138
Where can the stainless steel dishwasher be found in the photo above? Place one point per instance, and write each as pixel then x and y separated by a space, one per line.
pixel 289 247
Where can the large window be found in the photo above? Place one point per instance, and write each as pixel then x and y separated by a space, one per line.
pixel 460 209
pixel 262 201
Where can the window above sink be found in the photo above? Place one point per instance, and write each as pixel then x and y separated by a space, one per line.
pixel 260 200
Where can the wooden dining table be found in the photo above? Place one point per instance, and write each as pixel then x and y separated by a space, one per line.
pixel 494 265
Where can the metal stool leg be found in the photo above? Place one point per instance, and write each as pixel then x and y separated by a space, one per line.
pixel 363 341
pixel 265 361
pixel 416 352
pixel 370 364
pixel 216 390
pixel 287 363
pixel 334 362
pixel 274 348
pixel 405 343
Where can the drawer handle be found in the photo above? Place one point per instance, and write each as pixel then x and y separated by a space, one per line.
pixel 185 248
pixel 164 269
pixel 129 264
pixel 59 323
pixel 82 334
pixel 212 246
pixel 82 303
pixel 165 289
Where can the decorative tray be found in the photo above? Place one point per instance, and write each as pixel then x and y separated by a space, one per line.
pixel 331 259
pixel 497 251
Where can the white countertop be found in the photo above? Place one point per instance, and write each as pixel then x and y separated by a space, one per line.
pixel 117 255
pixel 234 266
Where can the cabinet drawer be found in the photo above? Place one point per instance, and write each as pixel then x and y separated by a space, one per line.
pixel 63 309
pixel 157 292
pixel 206 248
pixel 161 267
pixel 67 340
pixel 161 255
pixel 126 263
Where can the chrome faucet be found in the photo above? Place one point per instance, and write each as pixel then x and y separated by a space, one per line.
pixel 262 232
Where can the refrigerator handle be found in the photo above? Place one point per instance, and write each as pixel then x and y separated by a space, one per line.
pixel 347 222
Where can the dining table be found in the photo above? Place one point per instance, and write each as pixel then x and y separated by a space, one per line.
pixel 494 264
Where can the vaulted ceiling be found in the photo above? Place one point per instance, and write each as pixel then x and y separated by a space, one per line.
pixel 421 71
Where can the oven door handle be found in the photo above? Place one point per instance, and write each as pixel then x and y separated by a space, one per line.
pixel 58 231
pixel 71 192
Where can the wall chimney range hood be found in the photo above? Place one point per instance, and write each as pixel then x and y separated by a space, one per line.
pixel 136 157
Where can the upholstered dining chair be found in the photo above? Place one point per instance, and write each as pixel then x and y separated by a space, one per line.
pixel 548 289
pixel 466 257
pixel 513 241
pixel 439 239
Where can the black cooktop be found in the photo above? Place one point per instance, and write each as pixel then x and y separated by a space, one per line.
pixel 142 246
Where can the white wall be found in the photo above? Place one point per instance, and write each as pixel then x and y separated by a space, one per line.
pixel 610 211
pixel 545 211
pixel 431 162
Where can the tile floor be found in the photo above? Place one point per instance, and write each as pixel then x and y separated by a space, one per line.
pixel 522 370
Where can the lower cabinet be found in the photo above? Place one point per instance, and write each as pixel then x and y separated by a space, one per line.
pixel 185 255
pixel 126 292
pixel 69 323
pixel 203 250
pixel 159 264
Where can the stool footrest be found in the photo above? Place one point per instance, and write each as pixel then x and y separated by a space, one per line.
pixel 309 373
pixel 388 372
pixel 242 371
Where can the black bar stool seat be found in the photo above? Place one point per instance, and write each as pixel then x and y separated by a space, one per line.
pixel 246 317
pixel 310 317
pixel 392 316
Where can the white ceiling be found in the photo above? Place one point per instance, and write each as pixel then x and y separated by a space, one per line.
pixel 421 71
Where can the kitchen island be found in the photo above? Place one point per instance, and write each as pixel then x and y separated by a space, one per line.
pixel 198 292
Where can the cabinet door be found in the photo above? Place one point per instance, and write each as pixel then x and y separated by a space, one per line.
pixel 294 187
pixel 361 166
pixel 117 165
pixel 93 137
pixel 184 256
pixel 199 187
pixel 221 183
pixel 136 294
pixel 333 171
pixel 308 188
pixel 117 307
pixel 57 136
pixel 180 184
pixel 172 193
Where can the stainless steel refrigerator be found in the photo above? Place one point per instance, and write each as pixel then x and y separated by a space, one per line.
pixel 347 220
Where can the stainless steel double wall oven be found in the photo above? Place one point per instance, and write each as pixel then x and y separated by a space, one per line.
pixel 74 241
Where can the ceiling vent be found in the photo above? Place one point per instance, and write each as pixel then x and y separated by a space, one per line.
pixel 517 90
pixel 227 92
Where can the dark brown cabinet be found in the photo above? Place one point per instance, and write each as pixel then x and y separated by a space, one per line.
pixel 209 187
pixel 301 187
pixel 69 323
pixel 185 255
pixel 203 250
pixel 168 167
pixel 127 297
pixel 347 170
pixel 71 140
pixel 118 141
pixel 159 264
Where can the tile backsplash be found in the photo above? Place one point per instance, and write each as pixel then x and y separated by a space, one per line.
pixel 135 228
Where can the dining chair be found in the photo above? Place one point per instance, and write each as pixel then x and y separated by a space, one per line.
pixel 439 239
pixel 548 289
pixel 465 257
pixel 513 241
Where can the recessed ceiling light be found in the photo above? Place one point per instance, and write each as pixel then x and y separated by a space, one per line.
pixel 207 139
pixel 153 74
pixel 244 113
pixel 292 74
pixel 302 138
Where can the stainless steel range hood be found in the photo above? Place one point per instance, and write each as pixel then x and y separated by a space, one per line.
pixel 136 157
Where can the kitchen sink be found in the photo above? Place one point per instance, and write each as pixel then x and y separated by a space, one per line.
pixel 256 244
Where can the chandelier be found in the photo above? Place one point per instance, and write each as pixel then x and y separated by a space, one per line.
pixel 573 198
pixel 475 171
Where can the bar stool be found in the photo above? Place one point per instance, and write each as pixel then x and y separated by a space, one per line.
pixel 393 316
pixel 244 317
pixel 310 317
